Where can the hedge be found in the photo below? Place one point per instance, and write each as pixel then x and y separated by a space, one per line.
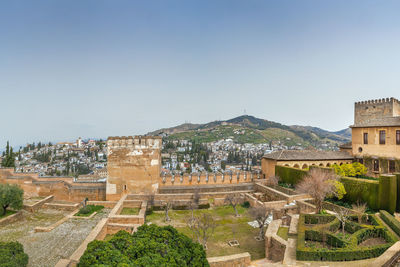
pixel 391 221
pixel 361 189
pixel 398 192
pixel 343 250
pixel 388 193
pixel 289 175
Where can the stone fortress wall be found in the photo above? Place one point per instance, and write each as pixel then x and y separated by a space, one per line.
pixel 365 111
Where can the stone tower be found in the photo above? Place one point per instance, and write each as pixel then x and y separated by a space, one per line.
pixel 134 165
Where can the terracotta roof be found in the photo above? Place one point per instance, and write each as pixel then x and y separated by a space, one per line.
pixel 307 155
pixel 346 145
pixel 389 121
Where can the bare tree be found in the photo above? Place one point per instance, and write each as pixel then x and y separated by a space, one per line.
pixel 233 200
pixel 194 202
pixel 359 209
pixel 260 214
pixel 318 184
pixel 273 180
pixel 167 206
pixel 203 227
pixel 342 215
pixel 151 199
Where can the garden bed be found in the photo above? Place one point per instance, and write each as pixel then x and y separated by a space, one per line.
pixel 130 211
pixel 88 210
pixel 322 238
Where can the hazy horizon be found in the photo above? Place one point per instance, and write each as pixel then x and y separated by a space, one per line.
pixel 101 68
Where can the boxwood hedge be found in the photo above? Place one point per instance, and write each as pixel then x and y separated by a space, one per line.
pixel 391 221
pixel 289 175
pixel 342 250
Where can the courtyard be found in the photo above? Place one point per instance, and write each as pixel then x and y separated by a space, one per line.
pixel 228 228
pixel 47 248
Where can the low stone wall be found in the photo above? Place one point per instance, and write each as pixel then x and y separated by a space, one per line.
pixel 305 207
pixel 35 207
pixel 59 206
pixel 275 204
pixel 254 202
pixel 389 257
pixel 106 204
pixel 278 195
pixel 237 260
pixel 275 246
pixel 11 218
pixel 56 224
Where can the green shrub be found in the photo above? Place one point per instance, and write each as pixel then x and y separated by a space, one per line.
pixel 12 255
pixel 150 245
pixel 89 209
pixel 290 175
pixel 246 205
pixel 391 221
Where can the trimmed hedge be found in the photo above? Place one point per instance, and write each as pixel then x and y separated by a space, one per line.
pixel 398 192
pixel 388 193
pixel 343 250
pixel 391 221
pixel 290 175
pixel 361 189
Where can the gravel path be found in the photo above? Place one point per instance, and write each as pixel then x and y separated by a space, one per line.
pixel 45 249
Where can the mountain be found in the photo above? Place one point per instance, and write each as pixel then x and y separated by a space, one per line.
pixel 249 129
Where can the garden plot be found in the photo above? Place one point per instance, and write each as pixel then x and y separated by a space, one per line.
pixel 229 228
pixel 322 238
pixel 46 248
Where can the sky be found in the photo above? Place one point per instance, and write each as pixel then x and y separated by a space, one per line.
pixel 96 68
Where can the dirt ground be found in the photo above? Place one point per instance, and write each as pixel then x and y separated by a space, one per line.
pixel 47 248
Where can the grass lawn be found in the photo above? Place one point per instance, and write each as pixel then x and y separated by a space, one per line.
pixel 283 232
pixel 88 210
pixel 130 211
pixel 228 228
pixel 8 212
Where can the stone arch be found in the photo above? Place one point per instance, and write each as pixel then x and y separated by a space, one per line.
pixel 296 166
pixel 287 165
pixel 305 166
pixel 341 163
pixel 328 165
pixel 321 165
pixel 313 164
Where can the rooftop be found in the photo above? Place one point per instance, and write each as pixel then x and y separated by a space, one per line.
pixel 381 122
pixel 307 155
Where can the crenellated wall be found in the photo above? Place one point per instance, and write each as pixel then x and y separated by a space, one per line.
pixel 62 188
pixel 208 178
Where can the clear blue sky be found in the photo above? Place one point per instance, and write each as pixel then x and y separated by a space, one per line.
pixel 99 68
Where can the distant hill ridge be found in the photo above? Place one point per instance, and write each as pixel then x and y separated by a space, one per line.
pixel 254 130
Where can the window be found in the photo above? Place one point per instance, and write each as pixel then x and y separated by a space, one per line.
pixel 392 166
pixel 382 137
pixel 398 137
pixel 376 165
pixel 365 138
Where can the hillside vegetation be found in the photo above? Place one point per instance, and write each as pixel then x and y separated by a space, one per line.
pixel 248 129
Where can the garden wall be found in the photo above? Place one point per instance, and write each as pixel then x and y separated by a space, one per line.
pixel 237 260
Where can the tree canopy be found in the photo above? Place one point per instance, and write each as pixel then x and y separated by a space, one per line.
pixel 150 245
pixel 12 255
pixel 11 196
pixel 8 157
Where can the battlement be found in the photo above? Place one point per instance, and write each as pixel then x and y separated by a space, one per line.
pixel 377 110
pixel 208 178
pixel 138 141
pixel 377 101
